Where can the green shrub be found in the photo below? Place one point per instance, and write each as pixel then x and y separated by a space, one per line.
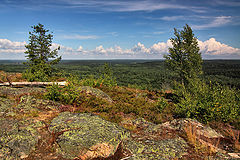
pixel 69 94
pixel 91 81
pixel 162 103
pixel 207 102
pixel 106 78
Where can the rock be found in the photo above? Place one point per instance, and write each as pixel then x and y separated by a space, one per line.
pixel 86 136
pixel 234 155
pixel 13 92
pixel 162 150
pixel 30 103
pixel 151 142
pixel 17 138
pixel 5 106
pixel 96 92
pixel 202 130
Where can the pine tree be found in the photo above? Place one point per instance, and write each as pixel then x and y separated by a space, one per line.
pixel 40 57
pixel 184 57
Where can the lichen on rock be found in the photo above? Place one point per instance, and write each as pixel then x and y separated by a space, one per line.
pixel 96 92
pixel 17 138
pixel 163 149
pixel 30 103
pixel 86 135
pixel 5 106
pixel 203 130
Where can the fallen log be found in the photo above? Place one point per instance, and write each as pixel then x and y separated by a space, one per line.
pixel 32 83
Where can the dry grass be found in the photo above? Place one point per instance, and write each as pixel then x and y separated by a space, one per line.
pixel 205 148
pixel 234 137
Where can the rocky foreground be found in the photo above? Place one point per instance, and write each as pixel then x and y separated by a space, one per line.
pixel 33 128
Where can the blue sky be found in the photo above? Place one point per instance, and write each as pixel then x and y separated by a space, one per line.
pixel 110 29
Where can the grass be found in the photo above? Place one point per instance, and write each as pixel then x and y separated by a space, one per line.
pixel 234 135
pixel 200 147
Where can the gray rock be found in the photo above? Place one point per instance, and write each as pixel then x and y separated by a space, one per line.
pixel 17 138
pixel 86 136
pixel 181 124
pixel 96 92
pixel 152 149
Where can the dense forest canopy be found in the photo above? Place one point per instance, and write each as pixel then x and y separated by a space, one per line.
pixel 146 73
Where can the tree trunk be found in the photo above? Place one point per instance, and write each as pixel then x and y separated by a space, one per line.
pixel 33 83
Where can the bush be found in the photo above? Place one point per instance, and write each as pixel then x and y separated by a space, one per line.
pixel 106 78
pixel 92 82
pixel 69 94
pixel 207 102
pixel 162 103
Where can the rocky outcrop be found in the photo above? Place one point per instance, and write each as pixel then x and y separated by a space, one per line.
pixel 86 136
pixel 96 92
pixel 201 130
pixel 5 106
pixel 17 138
pixel 147 142
pixel 14 92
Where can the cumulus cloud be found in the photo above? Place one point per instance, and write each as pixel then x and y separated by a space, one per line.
pixel 161 47
pixel 213 47
pixel 7 46
pixel 209 48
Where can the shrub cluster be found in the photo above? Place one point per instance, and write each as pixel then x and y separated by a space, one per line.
pixel 207 102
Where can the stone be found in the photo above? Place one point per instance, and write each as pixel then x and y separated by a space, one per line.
pixel 17 138
pixel 5 106
pixel 86 136
pixel 96 92
pixel 202 130
pixel 13 92
pixel 153 149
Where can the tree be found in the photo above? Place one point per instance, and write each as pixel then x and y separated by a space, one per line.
pixel 184 57
pixel 39 54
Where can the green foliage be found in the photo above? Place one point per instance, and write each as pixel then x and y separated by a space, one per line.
pixel 140 74
pixel 207 102
pixel 92 81
pixel 38 53
pixel 69 94
pixel 161 104
pixel 184 57
pixel 106 78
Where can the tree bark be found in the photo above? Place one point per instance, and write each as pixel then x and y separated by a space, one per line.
pixel 33 83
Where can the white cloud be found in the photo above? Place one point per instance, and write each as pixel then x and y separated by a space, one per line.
pixel 158 32
pixel 7 46
pixel 209 48
pixel 172 18
pixel 227 3
pixel 79 37
pixel 217 22
pixel 213 47
pixel 140 49
pixel 129 6
pixel 161 47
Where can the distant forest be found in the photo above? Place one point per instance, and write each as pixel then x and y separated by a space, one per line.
pixel 144 74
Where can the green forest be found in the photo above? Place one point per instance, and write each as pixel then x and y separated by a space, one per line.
pixel 144 74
